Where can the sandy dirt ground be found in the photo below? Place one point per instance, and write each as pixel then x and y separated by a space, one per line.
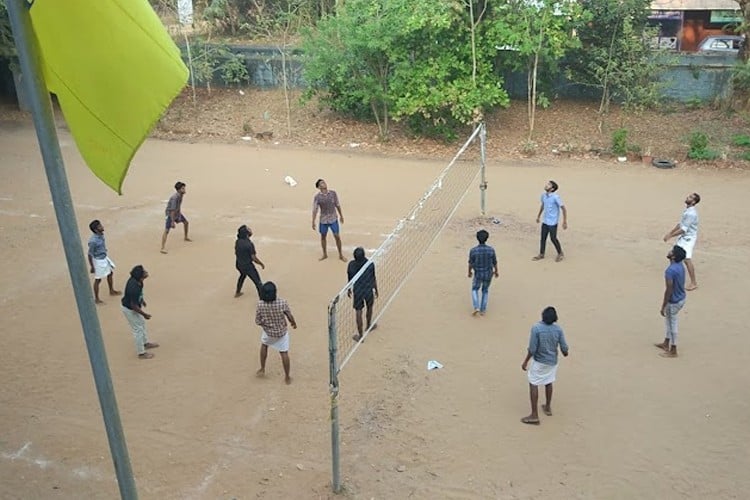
pixel 200 425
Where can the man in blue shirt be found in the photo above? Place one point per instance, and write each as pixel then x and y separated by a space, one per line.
pixel 544 340
pixel 551 207
pixel 100 265
pixel 674 299
pixel 483 263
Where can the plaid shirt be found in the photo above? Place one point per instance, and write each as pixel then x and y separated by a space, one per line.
pixel 483 260
pixel 270 316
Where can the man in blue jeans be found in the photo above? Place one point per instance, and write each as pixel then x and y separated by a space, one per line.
pixel 551 207
pixel 483 264
pixel 674 299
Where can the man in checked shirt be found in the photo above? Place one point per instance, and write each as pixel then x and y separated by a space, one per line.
pixel 271 315
pixel 328 203
pixel 483 262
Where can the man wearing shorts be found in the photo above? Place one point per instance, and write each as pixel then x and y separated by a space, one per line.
pixel 545 339
pixel 365 290
pixel 327 201
pixel 100 263
pixel 271 315
pixel 174 215
pixel 687 232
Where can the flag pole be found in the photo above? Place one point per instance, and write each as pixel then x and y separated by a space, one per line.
pixel 44 123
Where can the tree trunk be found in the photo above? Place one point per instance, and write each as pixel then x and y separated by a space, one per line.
pixel 745 47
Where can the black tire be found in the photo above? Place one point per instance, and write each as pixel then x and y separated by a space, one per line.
pixel 661 163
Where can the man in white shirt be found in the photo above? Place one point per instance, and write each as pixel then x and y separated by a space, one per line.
pixel 687 233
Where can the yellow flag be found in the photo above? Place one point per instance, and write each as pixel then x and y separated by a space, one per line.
pixel 114 70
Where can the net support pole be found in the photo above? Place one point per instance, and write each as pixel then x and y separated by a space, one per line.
pixel 44 123
pixel 334 388
pixel 483 162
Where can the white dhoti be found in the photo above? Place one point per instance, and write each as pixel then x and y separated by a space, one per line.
pixel 281 344
pixel 687 245
pixel 541 374
pixel 103 267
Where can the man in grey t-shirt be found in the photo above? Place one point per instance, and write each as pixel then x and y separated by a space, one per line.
pixel 174 215
pixel 544 341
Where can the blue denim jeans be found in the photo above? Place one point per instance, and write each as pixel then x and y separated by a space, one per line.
pixel 480 304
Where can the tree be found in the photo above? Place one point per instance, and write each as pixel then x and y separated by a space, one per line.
pixel 406 60
pixel 615 56
pixel 744 29
pixel 7 47
pixel 537 34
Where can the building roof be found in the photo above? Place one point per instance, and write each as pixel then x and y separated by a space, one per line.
pixel 695 5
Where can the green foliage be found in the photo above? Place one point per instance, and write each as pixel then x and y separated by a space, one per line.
pixel 615 56
pixel 262 17
pixel 694 102
pixel 699 149
pixel 7 47
pixel 399 59
pixel 620 142
pixel 741 77
pixel 742 140
pixel 212 60
pixel 535 37
pixel 745 155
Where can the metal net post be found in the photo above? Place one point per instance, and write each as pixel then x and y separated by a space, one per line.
pixel 483 168
pixel 334 389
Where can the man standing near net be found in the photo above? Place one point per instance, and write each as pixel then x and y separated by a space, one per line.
pixel 551 207
pixel 327 201
pixel 483 265
pixel 365 290
pixel 174 215
pixel 687 232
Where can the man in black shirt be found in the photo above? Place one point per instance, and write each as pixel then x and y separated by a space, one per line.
pixel 365 289
pixel 246 258
pixel 132 307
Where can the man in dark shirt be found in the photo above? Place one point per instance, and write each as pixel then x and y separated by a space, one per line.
pixel 245 261
pixel 365 289
pixel 132 307
pixel 174 215
pixel 483 263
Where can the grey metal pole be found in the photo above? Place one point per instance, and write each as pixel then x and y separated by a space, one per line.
pixel 483 162
pixel 41 109
pixel 334 388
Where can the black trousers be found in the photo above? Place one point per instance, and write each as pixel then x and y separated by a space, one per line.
pixel 552 232
pixel 249 272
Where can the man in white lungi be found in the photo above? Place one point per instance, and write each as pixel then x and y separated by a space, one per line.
pixel 271 315
pixel 544 341
pixel 687 233
pixel 100 263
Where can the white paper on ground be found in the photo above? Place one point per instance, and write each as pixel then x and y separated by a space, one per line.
pixel 434 365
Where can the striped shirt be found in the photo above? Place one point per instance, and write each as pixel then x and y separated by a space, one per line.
pixel 482 260
pixel 272 318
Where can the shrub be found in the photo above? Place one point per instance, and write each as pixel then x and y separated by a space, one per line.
pixel 699 149
pixel 620 142
pixel 742 140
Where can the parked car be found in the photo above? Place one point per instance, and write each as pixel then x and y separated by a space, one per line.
pixel 721 43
